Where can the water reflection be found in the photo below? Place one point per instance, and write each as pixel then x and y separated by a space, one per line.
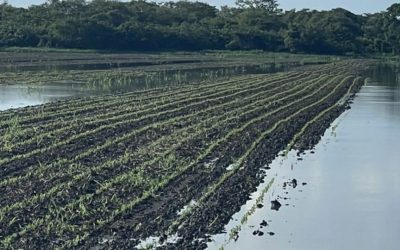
pixel 15 96
pixel 89 66
pixel 386 75
pixel 351 197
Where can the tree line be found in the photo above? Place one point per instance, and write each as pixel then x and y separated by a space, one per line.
pixel 254 24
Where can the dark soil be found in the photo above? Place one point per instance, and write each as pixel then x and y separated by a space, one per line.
pixel 158 214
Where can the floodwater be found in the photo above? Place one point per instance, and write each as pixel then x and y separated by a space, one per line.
pixel 348 189
pixel 17 96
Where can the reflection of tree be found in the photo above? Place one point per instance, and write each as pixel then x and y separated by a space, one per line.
pixel 397 72
pixel 386 74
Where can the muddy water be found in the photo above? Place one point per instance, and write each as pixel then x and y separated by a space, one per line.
pixel 16 96
pixel 348 189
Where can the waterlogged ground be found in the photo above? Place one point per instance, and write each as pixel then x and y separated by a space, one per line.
pixel 186 159
pixel 110 171
pixel 347 188
pixel 22 95
pixel 16 96
pixel 37 78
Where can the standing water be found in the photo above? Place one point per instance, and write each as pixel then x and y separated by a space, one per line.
pixel 22 95
pixel 347 192
pixel 16 96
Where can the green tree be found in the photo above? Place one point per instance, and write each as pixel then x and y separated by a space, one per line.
pixel 392 28
pixel 268 5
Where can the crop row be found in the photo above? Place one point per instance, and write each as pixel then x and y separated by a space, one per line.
pixel 208 207
pixel 123 107
pixel 239 109
pixel 21 160
pixel 236 113
pixel 84 183
pixel 90 104
pixel 166 180
pixel 39 196
pixel 196 225
pixel 72 105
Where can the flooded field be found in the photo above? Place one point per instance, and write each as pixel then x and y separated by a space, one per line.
pixel 168 163
pixel 166 154
pixel 32 78
pixel 21 95
pixel 346 189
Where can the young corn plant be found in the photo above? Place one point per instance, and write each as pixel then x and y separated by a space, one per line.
pixel 11 134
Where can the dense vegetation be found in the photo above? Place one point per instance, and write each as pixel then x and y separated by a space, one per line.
pixel 141 25
pixel 77 173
